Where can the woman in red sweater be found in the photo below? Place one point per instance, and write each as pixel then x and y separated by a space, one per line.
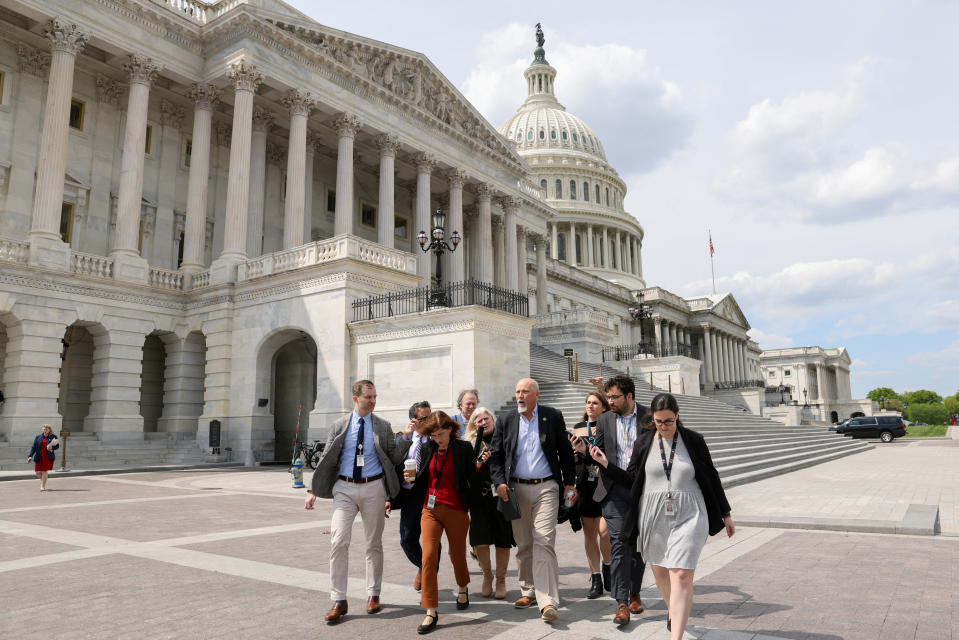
pixel 446 471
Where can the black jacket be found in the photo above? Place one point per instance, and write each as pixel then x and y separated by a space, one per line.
pixel 706 476
pixel 606 441
pixel 552 438
pixel 464 471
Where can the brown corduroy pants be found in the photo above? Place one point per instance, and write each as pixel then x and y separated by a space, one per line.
pixel 456 523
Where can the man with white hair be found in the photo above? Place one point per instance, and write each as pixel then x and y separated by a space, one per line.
pixel 466 402
pixel 532 455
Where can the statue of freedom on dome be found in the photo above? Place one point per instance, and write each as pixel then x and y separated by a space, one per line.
pixel 540 38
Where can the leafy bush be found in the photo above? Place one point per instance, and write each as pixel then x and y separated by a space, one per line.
pixel 928 413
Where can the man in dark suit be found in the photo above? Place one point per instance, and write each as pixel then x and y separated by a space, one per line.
pixel 358 471
pixel 616 431
pixel 532 455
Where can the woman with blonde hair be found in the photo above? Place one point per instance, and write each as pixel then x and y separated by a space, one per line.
pixel 487 525
pixel 41 454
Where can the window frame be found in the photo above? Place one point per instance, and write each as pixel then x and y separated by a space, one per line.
pixel 69 208
pixel 83 112
pixel 371 207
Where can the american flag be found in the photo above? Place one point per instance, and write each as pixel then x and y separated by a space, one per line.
pixel 712 250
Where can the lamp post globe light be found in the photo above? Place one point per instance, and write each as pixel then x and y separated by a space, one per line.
pixel 438 246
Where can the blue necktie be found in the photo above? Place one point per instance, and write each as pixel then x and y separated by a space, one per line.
pixel 357 469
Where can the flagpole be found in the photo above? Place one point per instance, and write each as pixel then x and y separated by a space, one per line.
pixel 712 265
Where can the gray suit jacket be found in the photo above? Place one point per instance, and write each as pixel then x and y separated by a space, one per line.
pixel 606 441
pixel 389 451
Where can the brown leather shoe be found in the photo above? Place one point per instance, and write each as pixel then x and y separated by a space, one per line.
pixel 524 602
pixel 418 580
pixel 622 615
pixel 337 611
pixel 635 604
pixel 373 604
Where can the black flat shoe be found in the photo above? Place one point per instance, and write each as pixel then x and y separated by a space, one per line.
pixel 462 605
pixel 426 628
pixel 669 624
pixel 596 588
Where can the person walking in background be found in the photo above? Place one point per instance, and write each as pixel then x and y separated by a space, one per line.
pixel 679 498
pixel 410 510
pixel 596 534
pixel 443 486
pixel 487 524
pixel 357 471
pixel 533 457
pixel 466 402
pixel 41 454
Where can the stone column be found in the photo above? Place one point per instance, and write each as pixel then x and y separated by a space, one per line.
pixel 658 333
pixel 707 353
pixel 299 103
pixel 346 127
pixel 541 286
pixel 714 348
pixel 182 382
pixel 127 262
pixel 194 235
pixel 606 250
pixel 484 227
pixel 619 251
pixel 820 395
pixel 499 254
pixel 522 274
pixel 728 358
pixel 571 256
pixel 628 254
pixel 313 142
pixel 509 222
pixel 385 210
pixel 46 247
pixel 554 241
pixel 673 338
pixel 425 163
pixel 741 354
pixel 589 246
pixel 262 121
pixel 456 178
pixel 245 78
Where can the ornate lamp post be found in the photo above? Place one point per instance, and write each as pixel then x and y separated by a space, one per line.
pixel 438 246
pixel 805 401
pixel 640 313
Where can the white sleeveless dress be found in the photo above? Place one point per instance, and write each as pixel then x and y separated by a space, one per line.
pixel 674 542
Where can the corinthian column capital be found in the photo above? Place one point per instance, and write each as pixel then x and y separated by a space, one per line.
pixel 425 162
pixel 204 95
pixel 245 76
pixel 485 191
pixel 141 69
pixel 347 125
pixel 509 204
pixel 300 103
pixel 387 142
pixel 456 177
pixel 65 36
pixel 262 119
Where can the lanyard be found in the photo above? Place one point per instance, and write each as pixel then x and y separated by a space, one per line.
pixel 668 468
pixel 437 476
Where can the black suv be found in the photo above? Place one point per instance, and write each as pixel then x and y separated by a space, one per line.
pixel 886 428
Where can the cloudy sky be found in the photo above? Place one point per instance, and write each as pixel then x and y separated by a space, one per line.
pixel 818 141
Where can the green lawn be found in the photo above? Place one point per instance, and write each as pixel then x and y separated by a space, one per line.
pixel 927 431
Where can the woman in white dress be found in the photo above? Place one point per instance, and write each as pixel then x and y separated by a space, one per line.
pixel 679 501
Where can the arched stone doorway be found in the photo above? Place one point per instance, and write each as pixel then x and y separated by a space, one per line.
pixel 152 382
pixel 857 414
pixel 76 376
pixel 834 416
pixel 286 382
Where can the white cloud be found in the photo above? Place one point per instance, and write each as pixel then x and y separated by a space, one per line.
pixel 944 314
pixel 770 340
pixel 880 173
pixel 948 354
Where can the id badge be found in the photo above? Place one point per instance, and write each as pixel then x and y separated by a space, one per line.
pixel 359 459
pixel 669 505
pixel 592 472
pixel 431 501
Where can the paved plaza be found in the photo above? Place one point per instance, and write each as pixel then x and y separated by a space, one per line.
pixel 232 554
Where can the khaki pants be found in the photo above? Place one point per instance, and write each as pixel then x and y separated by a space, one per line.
pixel 535 535
pixel 369 500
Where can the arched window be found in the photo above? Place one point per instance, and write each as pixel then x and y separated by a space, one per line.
pixel 559 189
pixel 542 134
pixel 607 196
pixel 565 135
pixel 572 189
pixel 529 135
pixel 552 134
pixel 597 194
pixel 542 185
pixel 579 251
pixel 519 136
pixel 541 83
pixel 586 191
pixel 561 247
pixel 602 253
pixel 575 138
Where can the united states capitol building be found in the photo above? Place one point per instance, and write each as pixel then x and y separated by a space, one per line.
pixel 210 212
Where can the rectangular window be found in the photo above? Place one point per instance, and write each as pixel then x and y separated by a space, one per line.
pixel 77 109
pixel 187 152
pixel 787 373
pixel 772 373
pixel 148 143
pixel 401 228
pixel 66 222
pixel 367 215
pixel 331 200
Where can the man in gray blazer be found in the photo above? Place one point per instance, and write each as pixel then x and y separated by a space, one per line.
pixel 357 471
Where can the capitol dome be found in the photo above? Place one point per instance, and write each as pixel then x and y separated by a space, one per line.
pixel 591 231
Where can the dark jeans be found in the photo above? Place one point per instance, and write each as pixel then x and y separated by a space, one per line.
pixel 626 562
pixel 410 514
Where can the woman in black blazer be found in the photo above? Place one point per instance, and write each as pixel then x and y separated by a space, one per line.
pixel 677 499
pixel 41 454
pixel 443 484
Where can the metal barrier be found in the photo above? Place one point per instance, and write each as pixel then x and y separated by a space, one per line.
pixel 457 294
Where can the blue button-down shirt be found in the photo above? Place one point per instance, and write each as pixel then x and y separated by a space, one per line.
pixel 371 462
pixel 530 462
pixel 462 422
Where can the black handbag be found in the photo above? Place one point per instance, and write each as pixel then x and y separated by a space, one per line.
pixel 510 508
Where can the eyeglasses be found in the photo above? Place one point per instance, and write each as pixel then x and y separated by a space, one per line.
pixel 611 397
pixel 664 423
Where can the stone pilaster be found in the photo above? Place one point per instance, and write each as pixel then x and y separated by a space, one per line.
pixel 245 78
pixel 346 127
pixel 262 121
pixel 457 178
pixel 46 247
pixel 388 144
pixel 542 294
pixel 554 242
pixel 484 226
pixel 425 163
pixel 299 103
pixel 204 97
pixel 510 206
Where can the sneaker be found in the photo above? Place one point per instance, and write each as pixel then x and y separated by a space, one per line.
pixel 550 613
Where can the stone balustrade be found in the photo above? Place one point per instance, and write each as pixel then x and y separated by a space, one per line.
pixel 200 280
pixel 324 251
pixel 166 279
pixel 90 265
pixel 574 316
pixel 658 293
pixel 14 250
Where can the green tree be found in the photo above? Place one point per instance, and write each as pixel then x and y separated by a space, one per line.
pixel 930 413
pixel 892 405
pixel 922 396
pixel 951 404
pixel 881 392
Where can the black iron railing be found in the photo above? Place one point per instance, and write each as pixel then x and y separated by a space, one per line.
pixel 739 384
pixel 457 294
pixel 653 350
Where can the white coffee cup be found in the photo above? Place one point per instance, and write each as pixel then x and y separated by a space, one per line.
pixel 409 465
